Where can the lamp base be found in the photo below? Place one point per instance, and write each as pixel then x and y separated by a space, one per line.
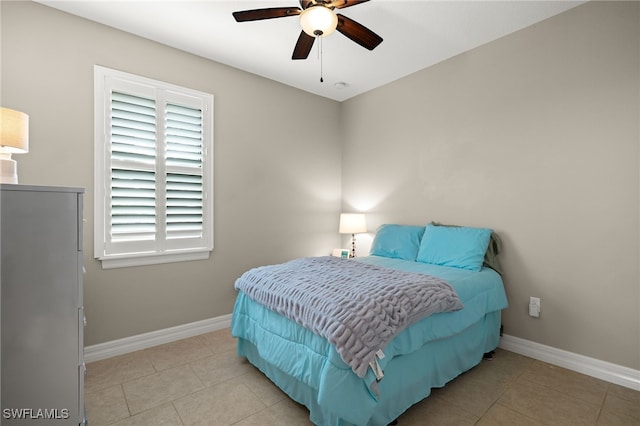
pixel 353 246
pixel 8 170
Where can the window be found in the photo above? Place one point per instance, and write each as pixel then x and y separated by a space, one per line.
pixel 153 171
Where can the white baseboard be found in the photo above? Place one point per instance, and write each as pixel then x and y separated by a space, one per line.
pixel 603 370
pixel 154 338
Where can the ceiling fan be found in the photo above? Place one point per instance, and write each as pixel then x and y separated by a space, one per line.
pixel 318 19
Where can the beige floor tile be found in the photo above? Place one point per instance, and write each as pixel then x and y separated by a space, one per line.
pixel 499 415
pixel 263 418
pixel 285 412
pixel 621 411
pixel 219 367
pixel 218 405
pixel 548 405
pixel 568 382
pixel 117 370
pixel 105 406
pixel 159 388
pixel 262 386
pixel 504 367
pixel 436 411
pixel 213 386
pixel 219 341
pixel 177 353
pixel 472 394
pixel 164 415
pixel 625 393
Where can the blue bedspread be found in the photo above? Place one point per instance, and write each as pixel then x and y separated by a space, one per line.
pixel 357 306
pixel 311 361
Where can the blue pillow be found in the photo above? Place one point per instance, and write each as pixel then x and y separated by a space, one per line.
pixel 397 241
pixel 458 247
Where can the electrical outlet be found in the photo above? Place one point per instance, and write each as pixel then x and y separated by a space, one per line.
pixel 534 307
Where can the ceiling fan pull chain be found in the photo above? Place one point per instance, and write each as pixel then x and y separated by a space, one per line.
pixel 320 53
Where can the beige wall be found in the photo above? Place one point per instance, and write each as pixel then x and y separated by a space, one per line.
pixel 535 135
pixel 276 179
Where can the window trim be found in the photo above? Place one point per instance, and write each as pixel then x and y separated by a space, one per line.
pixel 161 252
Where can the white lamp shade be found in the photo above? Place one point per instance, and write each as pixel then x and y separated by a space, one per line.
pixel 318 21
pixel 14 131
pixel 352 223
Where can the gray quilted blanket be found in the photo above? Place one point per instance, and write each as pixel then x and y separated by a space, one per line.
pixel 357 307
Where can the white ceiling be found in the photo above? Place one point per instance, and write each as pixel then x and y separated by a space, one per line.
pixel 417 34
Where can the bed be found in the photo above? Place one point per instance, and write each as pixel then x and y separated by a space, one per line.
pixel 427 352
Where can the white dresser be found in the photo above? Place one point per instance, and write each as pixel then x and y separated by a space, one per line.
pixel 42 310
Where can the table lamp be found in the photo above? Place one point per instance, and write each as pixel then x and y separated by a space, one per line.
pixel 14 139
pixel 352 223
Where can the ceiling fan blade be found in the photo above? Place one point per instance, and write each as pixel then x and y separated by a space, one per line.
pixel 341 4
pixel 358 32
pixel 303 46
pixel 269 13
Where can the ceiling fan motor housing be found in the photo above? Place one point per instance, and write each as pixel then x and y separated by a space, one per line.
pixel 318 20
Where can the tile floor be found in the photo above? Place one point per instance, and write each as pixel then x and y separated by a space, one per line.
pixel 201 381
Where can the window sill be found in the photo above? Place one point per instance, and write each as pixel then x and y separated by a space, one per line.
pixel 152 259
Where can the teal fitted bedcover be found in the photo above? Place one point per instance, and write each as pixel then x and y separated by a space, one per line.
pixel 425 355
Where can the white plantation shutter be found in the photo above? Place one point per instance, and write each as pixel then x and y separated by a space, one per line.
pixel 184 171
pixel 133 174
pixel 154 162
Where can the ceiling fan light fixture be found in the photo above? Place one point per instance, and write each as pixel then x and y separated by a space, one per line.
pixel 318 21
